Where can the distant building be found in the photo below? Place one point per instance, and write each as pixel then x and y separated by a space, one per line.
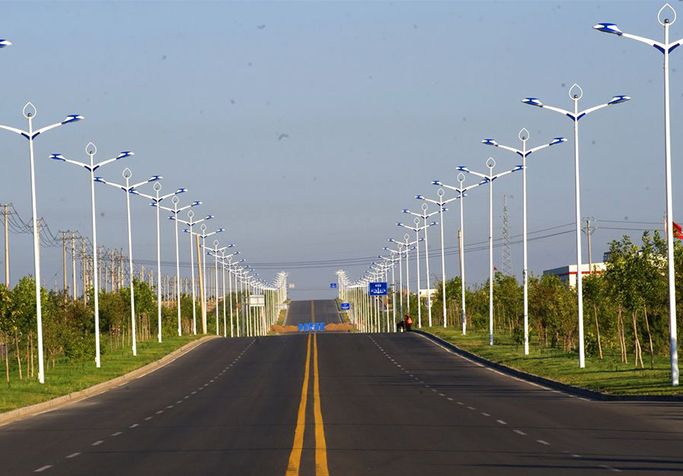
pixel 424 291
pixel 567 274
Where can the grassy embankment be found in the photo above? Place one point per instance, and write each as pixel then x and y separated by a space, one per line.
pixel 608 375
pixel 71 376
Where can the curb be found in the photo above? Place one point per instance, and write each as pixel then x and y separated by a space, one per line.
pixel 545 382
pixel 97 389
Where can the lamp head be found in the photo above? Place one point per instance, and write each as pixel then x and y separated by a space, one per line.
pixel 90 149
pixel 181 190
pixel 125 153
pixel 405 210
pixel 127 173
pixel 196 203
pixel 436 182
pixel 157 186
pixel 618 100
pixel 533 102
pixel 57 157
pixel 72 118
pixel 5 43
pixel 419 197
pixel 490 142
pixel 558 140
pixel 608 28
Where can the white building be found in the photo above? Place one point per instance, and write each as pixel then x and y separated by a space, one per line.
pixel 567 274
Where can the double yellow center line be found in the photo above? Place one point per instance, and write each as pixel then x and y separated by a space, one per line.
pixel 294 464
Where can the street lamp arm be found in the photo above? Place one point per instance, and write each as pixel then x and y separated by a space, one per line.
pixel 111 184
pixel 61 158
pixel 15 130
pixel 512 149
pixel 502 174
pixel 153 178
pixel 125 153
pixel 462 168
pixel 69 119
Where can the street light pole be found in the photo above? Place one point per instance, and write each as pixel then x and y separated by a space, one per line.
pixel 524 153
pixel 129 189
pixel 666 17
pixel 489 178
pixel 157 198
pixel 91 150
pixel 29 112
pixel 575 93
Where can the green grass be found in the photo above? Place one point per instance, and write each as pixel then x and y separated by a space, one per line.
pixel 70 376
pixel 608 375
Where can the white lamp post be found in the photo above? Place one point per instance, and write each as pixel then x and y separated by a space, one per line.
pixel 204 235
pixel 524 153
pixel 398 257
pixel 157 198
pixel 175 210
pixel 91 150
pixel 29 112
pixel 190 223
pixel 575 93
pixel 406 244
pixel 441 203
pixel 129 189
pixel 489 178
pixel 424 215
pixel 417 228
pixel 462 193
pixel 666 18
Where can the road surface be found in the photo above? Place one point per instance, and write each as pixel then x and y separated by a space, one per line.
pixel 340 404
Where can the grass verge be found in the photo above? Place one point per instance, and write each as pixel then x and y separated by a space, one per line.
pixel 608 375
pixel 72 376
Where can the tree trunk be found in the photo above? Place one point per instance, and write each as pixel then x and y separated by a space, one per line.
pixel 6 358
pixel 649 338
pixel 638 350
pixel 622 338
pixel 597 330
pixel 18 352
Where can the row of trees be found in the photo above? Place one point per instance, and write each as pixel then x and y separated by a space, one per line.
pixel 68 326
pixel 626 307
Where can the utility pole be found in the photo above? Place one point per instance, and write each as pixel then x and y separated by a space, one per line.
pixel 507 252
pixel 84 271
pixel 73 265
pixel 65 276
pixel 5 212
pixel 588 230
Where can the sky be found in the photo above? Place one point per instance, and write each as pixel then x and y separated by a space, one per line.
pixel 306 127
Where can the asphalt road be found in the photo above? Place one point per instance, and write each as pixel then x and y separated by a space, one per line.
pixel 381 404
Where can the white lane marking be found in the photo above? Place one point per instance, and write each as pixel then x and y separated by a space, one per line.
pixel 485 414
pixel 42 468
pixel 449 399
pixel 159 412
pixel 543 442
pixel 96 443
pixel 168 407
pixel 179 402
pixel 73 455
pixel 441 394
pixel 148 418
pixel 576 456
pixel 610 468
pixel 471 408
pixel 118 433
pixel 434 390
pixel 194 392
pixel 502 422
pixel 519 432
pixel 134 425
pixel 460 403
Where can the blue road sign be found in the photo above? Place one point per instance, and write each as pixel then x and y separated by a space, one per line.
pixel 345 306
pixel 311 326
pixel 378 289
pixel 333 285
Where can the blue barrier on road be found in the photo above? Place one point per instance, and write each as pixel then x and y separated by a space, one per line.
pixel 311 326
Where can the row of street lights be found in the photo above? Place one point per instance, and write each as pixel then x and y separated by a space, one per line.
pixel 273 294
pixel 666 18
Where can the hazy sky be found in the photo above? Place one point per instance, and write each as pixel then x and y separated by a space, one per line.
pixel 306 127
